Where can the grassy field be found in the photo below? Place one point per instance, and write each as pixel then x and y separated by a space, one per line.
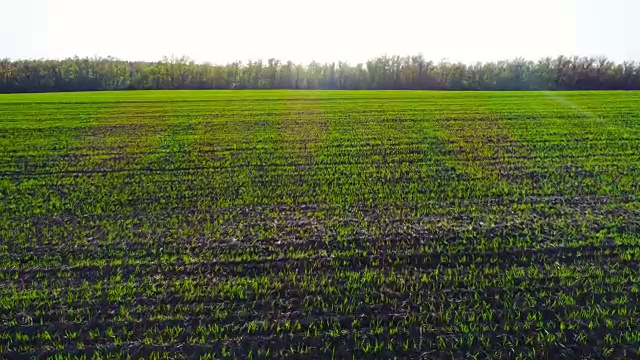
pixel 325 224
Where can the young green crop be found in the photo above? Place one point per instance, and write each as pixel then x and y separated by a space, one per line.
pixel 275 224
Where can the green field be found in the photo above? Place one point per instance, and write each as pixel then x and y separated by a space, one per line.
pixel 320 224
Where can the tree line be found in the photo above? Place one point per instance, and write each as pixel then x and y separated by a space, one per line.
pixel 384 72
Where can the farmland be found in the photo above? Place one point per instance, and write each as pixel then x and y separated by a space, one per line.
pixel 320 224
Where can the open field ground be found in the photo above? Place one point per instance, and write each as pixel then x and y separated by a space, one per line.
pixel 320 224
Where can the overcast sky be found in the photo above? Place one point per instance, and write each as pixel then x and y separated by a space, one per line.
pixel 353 30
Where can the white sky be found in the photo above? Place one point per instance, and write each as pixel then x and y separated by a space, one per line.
pixel 324 30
